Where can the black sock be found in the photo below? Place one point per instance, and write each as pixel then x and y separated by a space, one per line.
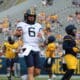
pixel 68 74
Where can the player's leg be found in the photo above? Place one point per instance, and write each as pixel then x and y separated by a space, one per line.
pixel 68 74
pixel 30 66
pixel 36 72
pixel 51 75
pixel 12 66
pixel 30 73
pixel 37 63
pixel 16 67
pixel 71 63
pixel 8 67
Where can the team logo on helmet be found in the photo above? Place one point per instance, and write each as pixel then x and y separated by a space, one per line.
pixel 31 11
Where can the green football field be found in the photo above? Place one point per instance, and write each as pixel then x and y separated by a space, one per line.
pixel 40 78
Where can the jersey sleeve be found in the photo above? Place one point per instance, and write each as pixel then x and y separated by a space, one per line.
pixel 20 25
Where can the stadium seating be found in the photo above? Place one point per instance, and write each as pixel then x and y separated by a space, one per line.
pixel 61 7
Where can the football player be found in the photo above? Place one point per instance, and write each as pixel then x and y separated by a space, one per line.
pixel 71 50
pixel 30 32
pixel 50 56
pixel 10 49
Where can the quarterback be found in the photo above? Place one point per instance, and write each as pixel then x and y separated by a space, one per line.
pixel 30 32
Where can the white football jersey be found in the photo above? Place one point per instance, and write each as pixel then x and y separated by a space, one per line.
pixel 30 34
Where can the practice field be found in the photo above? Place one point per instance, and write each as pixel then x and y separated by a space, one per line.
pixel 41 78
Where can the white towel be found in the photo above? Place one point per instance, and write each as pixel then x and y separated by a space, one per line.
pixel 27 51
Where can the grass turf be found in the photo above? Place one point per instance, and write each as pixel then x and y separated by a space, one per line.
pixel 40 78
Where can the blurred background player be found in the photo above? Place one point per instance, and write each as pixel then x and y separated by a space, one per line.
pixel 71 50
pixel 30 32
pixel 10 50
pixel 50 56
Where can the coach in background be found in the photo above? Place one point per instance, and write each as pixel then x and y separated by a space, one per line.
pixel 71 50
